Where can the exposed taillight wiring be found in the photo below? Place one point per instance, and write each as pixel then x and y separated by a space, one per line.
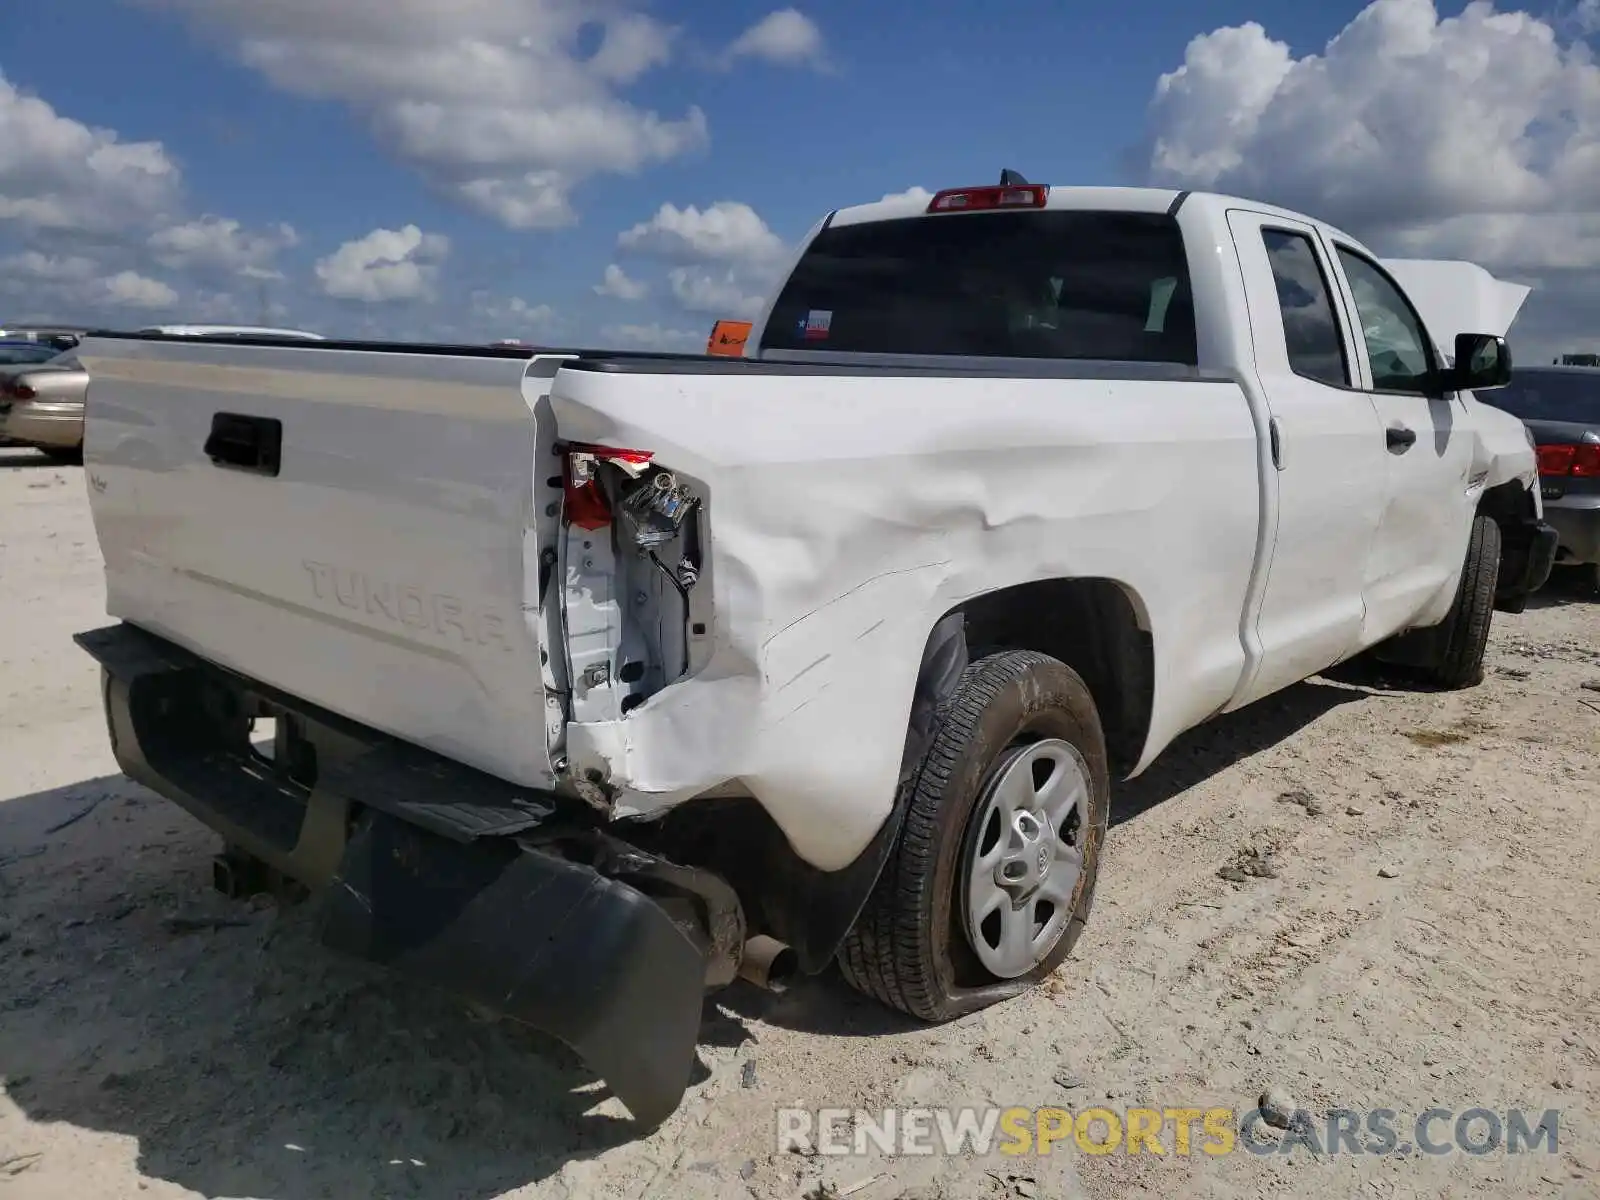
pixel 584 500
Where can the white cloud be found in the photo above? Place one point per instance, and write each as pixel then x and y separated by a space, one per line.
pixel 1475 136
pixel 86 217
pixel 653 337
pixel 57 174
pixel 727 232
pixel 130 289
pixel 619 286
pixel 36 285
pixel 36 267
pixel 787 37
pixel 633 44
pixel 497 103
pixel 221 245
pixel 915 193
pixel 698 290
pixel 725 257
pixel 385 265
pixel 1403 120
pixel 511 316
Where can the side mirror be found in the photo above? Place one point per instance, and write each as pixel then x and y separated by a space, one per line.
pixel 1483 362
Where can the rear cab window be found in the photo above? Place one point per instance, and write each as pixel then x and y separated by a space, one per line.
pixel 1049 284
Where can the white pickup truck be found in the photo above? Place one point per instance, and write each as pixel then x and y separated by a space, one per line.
pixel 595 680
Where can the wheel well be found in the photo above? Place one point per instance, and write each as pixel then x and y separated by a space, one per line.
pixel 1095 626
pixel 1510 506
pixel 1508 503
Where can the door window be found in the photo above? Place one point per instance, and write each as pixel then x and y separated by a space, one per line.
pixel 1310 328
pixel 1397 344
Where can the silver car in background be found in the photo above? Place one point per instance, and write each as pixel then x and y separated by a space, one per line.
pixel 1560 405
pixel 41 399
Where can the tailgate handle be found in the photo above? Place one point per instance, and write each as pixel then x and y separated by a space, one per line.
pixel 244 443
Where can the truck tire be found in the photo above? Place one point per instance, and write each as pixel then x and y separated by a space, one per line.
pixel 1006 816
pixel 1464 634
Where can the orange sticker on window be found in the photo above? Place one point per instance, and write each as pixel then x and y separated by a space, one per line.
pixel 728 338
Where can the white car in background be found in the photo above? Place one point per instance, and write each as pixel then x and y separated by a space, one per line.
pixel 223 331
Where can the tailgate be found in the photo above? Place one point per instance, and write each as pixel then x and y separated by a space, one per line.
pixel 354 527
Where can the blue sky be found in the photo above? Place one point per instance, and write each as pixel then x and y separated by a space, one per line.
pixel 885 97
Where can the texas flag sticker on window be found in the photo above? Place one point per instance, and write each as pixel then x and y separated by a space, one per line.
pixel 816 325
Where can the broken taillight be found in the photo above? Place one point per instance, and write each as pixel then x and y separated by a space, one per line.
pixel 1567 459
pixel 585 502
pixel 17 391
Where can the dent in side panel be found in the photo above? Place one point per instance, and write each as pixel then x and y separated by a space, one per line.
pixel 833 558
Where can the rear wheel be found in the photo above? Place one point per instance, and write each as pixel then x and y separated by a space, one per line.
pixel 992 879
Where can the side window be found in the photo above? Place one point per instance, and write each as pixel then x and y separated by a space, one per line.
pixel 1316 347
pixel 1397 345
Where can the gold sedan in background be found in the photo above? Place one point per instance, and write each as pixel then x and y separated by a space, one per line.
pixel 41 399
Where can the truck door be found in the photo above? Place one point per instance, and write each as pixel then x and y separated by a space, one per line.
pixel 1420 543
pixel 1327 451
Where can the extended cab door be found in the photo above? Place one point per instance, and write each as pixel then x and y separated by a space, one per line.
pixel 1420 544
pixel 1328 455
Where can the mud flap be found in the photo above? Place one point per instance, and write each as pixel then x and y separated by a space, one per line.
pixel 545 941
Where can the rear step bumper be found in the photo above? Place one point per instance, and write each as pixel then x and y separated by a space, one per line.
pixel 498 894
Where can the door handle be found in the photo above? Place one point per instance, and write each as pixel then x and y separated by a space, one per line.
pixel 1399 438
pixel 244 443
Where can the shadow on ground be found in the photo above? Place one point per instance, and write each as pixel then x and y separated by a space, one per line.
pixel 1567 585
pixel 24 457
pixel 245 1058
pixel 1231 738
pixel 248 1060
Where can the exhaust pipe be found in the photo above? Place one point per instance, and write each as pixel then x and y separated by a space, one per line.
pixel 767 963
pixel 238 876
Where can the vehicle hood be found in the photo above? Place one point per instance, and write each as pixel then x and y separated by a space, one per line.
pixel 1457 297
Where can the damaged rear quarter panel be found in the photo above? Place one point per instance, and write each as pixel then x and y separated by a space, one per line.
pixel 847 513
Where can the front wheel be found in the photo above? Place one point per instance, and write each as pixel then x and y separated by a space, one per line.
pixel 1464 635
pixel 993 876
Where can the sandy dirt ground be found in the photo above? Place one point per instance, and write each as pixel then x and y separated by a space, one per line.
pixel 1417 923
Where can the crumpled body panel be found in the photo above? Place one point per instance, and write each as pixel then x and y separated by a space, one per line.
pixel 848 513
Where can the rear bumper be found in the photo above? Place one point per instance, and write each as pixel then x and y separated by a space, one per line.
pixel 442 873
pixel 1541 556
pixel 1528 548
pixel 1578 531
